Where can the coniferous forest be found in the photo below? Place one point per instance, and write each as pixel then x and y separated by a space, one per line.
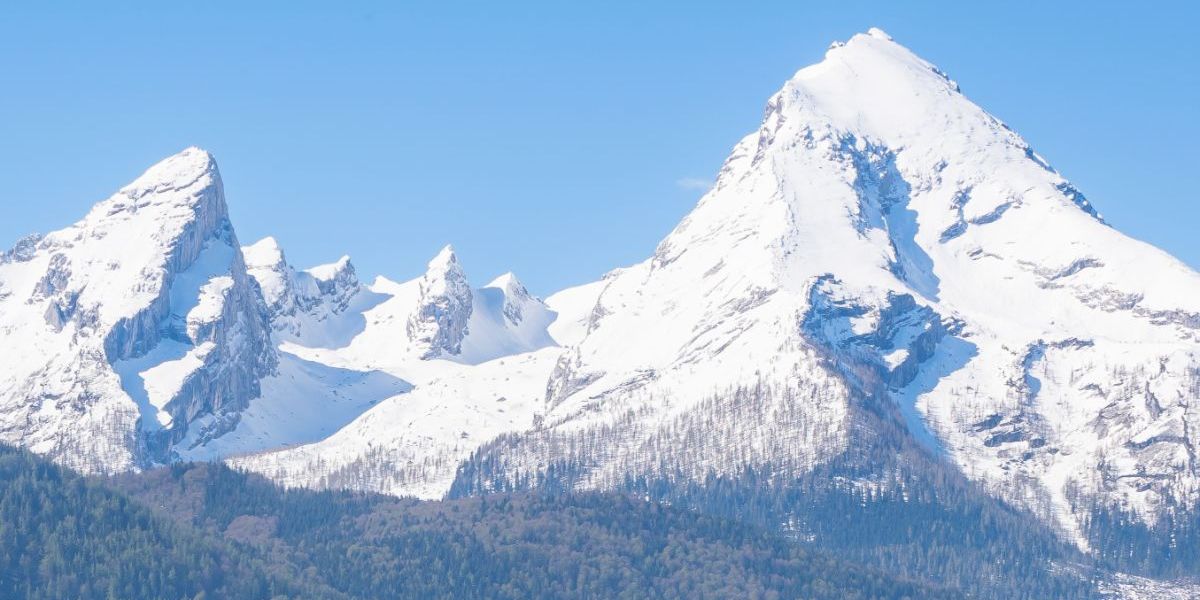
pixel 206 531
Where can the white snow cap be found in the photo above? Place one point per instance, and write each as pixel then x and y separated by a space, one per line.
pixel 445 276
pixel 173 172
pixel 263 253
pixel 878 33
pixel 507 282
pixel 331 270
pixel 445 257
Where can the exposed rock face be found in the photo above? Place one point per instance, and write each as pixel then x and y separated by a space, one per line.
pixel 336 284
pixel 142 318
pixel 266 263
pixel 300 300
pixel 439 323
pixel 516 297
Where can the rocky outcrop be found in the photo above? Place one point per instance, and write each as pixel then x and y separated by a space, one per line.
pixel 298 300
pixel 439 323
pixel 150 308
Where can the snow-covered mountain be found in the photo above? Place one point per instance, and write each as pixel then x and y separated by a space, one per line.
pixel 878 234
pixel 124 329
pixel 479 360
pixel 881 233
pixel 294 298
pixel 878 238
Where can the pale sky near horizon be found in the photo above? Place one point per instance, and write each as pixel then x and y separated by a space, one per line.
pixel 556 140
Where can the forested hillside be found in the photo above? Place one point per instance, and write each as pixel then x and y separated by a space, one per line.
pixel 62 536
pixel 505 546
pixel 886 504
pixel 205 531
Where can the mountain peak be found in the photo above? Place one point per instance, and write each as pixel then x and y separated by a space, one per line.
pixel 509 283
pixel 173 328
pixel 332 270
pixel 872 82
pixel 878 33
pixel 445 259
pixel 444 274
pixel 174 172
pixel 179 189
pixel 264 253
pixel 439 323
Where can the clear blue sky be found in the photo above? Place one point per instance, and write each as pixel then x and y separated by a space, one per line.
pixel 546 138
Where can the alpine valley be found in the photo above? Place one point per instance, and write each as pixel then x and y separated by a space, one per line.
pixel 890 331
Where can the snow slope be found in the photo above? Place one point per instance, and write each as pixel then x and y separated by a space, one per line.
pixel 478 360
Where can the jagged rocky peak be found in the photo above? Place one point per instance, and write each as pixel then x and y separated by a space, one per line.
pixel 337 280
pixel 266 262
pixel 444 266
pixel 294 297
pixel 147 318
pixel 181 171
pixel 445 301
pixel 207 303
pixel 131 264
pixel 516 297
pixel 163 220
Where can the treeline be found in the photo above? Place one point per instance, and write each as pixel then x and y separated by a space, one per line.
pixel 885 503
pixel 205 531
pixel 910 525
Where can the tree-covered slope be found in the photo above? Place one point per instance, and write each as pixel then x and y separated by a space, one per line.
pixel 62 536
pixel 885 503
pixel 504 546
